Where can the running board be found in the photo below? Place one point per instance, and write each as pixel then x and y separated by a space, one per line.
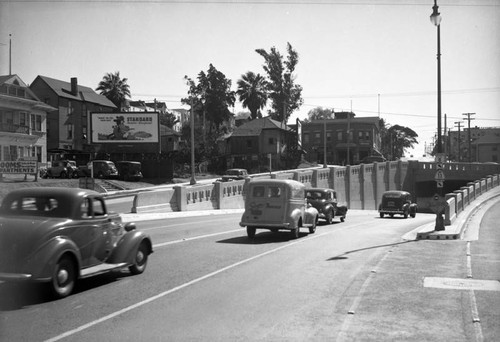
pixel 101 268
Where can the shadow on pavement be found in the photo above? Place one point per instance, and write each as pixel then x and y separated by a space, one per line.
pixel 343 255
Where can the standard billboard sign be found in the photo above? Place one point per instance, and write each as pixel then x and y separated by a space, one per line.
pixel 125 128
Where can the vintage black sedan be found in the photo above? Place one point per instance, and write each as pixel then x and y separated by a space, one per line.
pixel 397 202
pixel 325 202
pixel 59 235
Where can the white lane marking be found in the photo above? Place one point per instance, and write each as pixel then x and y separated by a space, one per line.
pixel 180 287
pixel 181 224
pixel 194 238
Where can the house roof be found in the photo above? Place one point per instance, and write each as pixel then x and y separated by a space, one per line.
pixel 84 94
pixel 29 94
pixel 255 127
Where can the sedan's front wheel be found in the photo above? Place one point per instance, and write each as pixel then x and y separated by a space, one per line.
pixel 141 259
pixel 329 217
pixel 64 278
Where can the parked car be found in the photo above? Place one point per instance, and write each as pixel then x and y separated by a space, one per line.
pixel 325 201
pixel 234 174
pixel 397 202
pixel 129 170
pixel 101 169
pixel 277 204
pixel 60 235
pixel 62 169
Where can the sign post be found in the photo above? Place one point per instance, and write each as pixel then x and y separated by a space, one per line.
pixel 438 203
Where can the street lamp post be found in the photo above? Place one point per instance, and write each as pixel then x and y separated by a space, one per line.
pixel 436 20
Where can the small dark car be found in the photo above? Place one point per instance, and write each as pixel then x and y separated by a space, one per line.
pixel 325 201
pixel 234 174
pixel 60 235
pixel 397 202
pixel 129 170
pixel 62 169
pixel 100 168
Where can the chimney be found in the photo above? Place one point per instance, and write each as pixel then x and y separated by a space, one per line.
pixel 74 86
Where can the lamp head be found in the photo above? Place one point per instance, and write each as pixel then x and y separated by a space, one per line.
pixel 435 16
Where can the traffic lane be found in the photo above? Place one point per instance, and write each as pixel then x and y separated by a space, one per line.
pixel 180 229
pixel 203 266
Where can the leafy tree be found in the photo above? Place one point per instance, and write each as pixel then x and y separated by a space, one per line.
pixel 115 89
pixel 168 119
pixel 319 113
pixel 252 93
pixel 212 97
pixel 396 139
pixel 284 94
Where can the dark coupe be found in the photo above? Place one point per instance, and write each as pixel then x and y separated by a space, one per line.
pixel 325 201
pixel 58 235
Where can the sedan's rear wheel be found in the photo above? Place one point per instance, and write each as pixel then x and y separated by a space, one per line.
pixel 251 232
pixel 64 277
pixel 140 260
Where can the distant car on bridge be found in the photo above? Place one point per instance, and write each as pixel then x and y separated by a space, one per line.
pixel 325 201
pixel 396 202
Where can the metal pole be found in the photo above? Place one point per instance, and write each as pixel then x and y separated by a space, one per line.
pixel 439 142
pixel 193 180
pixel 324 142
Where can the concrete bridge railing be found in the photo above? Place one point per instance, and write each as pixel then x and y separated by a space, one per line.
pixel 458 201
pixel 358 187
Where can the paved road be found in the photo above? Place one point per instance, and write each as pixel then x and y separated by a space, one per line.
pixel 352 281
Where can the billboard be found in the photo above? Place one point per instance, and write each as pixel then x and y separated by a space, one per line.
pixel 125 128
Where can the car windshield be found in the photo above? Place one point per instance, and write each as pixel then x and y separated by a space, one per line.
pixel 315 195
pixel 35 206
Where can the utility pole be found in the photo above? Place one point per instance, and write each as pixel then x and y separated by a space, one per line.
pixel 468 137
pixel 458 153
pixel 10 53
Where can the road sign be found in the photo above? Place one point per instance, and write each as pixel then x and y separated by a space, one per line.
pixel 439 166
pixel 437 204
pixel 439 176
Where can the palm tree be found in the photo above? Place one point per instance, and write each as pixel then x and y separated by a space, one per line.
pixel 252 92
pixel 115 89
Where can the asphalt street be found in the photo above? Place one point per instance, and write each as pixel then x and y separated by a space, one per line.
pixel 434 290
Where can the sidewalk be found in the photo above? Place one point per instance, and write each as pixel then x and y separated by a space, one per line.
pixel 436 289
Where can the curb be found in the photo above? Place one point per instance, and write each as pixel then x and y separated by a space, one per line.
pixel 130 217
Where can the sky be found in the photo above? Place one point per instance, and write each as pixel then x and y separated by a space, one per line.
pixel 374 57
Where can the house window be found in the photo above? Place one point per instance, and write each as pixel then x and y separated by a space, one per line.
pixel 69 131
pixel 340 135
pixel 271 141
pixel 329 136
pixel 317 136
pixel 249 143
pixel 306 138
pixel 22 119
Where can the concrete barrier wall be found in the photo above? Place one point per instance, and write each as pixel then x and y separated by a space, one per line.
pixel 355 187
pixel 154 201
pixel 358 187
pixel 450 211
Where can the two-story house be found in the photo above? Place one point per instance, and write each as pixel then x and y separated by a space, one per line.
pixel 68 126
pixel 22 121
pixel 348 139
pixel 251 144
